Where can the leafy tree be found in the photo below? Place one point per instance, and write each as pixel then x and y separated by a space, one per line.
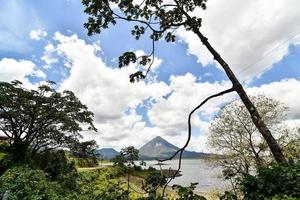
pixel 85 149
pixel 83 154
pixel 58 167
pixel 233 133
pixel 127 156
pixel 291 146
pixel 160 19
pixel 126 160
pixel 42 119
pixel 153 181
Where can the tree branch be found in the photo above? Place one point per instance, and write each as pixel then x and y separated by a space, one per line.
pixel 181 150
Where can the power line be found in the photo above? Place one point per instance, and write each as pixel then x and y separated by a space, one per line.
pixel 268 53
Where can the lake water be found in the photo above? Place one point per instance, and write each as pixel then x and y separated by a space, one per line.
pixel 209 177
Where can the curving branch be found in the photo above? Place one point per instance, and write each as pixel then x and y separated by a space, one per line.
pixel 181 150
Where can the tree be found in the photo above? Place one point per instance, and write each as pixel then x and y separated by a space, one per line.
pixel 42 119
pixel 233 133
pixel 127 156
pixel 160 19
pixel 85 149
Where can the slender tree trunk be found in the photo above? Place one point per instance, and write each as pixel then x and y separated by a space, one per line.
pixel 257 120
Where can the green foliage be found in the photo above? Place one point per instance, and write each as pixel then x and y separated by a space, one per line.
pixel 58 168
pixel 5 157
pixel 4 147
pixel 187 193
pixel 127 156
pixel 292 148
pixel 166 16
pixel 228 196
pixel 153 181
pixel 36 120
pixel 234 134
pixel 84 149
pixel 114 191
pixel 5 162
pixel 83 154
pixel 2 155
pixel 101 184
pixel 84 162
pixel 24 183
pixel 126 58
pixel 273 181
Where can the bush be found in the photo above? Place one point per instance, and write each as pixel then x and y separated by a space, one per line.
pixel 24 183
pixel 58 168
pixel 85 162
pixel 275 181
pixel 187 193
pixel 5 157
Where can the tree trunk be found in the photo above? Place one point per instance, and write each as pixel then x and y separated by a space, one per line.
pixel 257 120
pixel 19 151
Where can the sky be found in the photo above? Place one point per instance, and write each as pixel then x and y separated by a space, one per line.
pixel 260 39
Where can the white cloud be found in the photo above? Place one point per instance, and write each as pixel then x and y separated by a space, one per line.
pixel 11 69
pixel 49 56
pixel 244 32
pixel 171 113
pixel 107 92
pixel 37 34
pixel 286 91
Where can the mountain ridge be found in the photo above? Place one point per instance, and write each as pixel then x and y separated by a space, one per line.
pixel 107 153
pixel 159 148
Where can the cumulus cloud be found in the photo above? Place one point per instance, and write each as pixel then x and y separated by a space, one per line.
pixel 11 69
pixel 108 93
pixel 251 36
pixel 286 91
pixel 37 34
pixel 49 56
pixel 114 100
pixel 171 113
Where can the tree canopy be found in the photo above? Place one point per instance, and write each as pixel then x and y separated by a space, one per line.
pixel 84 149
pixel 41 119
pixel 127 156
pixel 233 133
pixel 159 17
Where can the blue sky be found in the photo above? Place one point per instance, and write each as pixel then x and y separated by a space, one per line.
pixel 45 40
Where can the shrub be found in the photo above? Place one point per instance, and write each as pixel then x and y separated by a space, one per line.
pixel 24 183
pixel 58 168
pixel 187 193
pixel 275 181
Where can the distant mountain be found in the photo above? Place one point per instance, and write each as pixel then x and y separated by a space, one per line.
pixel 159 148
pixel 107 153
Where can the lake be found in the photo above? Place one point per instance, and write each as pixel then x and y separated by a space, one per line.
pixel 208 176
